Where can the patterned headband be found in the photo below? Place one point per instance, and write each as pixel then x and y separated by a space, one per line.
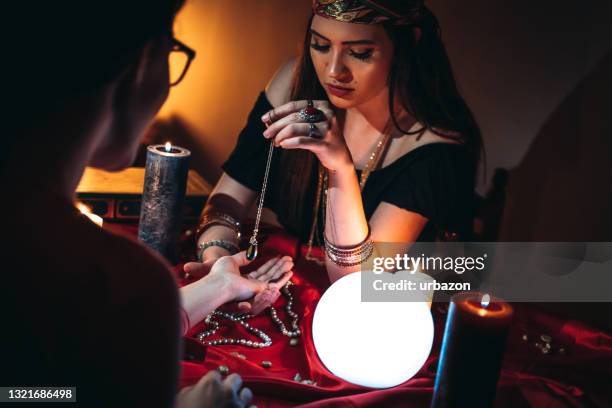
pixel 398 12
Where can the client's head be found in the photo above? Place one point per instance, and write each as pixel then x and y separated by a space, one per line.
pixel 108 59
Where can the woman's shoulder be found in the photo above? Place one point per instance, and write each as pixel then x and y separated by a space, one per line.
pixel 426 143
pixel 278 90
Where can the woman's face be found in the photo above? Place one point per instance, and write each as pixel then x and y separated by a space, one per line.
pixel 352 61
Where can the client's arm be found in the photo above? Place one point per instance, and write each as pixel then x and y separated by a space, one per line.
pixel 225 284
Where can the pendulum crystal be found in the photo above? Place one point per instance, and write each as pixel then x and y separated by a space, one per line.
pixel 251 252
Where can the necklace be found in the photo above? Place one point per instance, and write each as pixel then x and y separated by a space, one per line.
pixel 321 192
pixel 252 250
pixel 295 332
pixel 241 319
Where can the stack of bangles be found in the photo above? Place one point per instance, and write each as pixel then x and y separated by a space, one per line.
pixel 217 218
pixel 350 256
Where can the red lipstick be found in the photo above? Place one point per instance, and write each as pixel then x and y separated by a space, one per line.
pixel 338 90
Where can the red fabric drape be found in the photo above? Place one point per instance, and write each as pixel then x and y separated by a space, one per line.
pixel 579 378
pixel 582 377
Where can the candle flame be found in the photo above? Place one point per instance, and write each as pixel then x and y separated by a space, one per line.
pixel 486 299
pixel 168 146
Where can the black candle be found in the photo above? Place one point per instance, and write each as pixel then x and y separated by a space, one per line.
pixel 162 199
pixel 472 350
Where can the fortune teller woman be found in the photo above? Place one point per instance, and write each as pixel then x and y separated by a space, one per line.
pixel 373 141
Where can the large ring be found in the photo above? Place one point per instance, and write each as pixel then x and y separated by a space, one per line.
pixel 313 131
pixel 310 114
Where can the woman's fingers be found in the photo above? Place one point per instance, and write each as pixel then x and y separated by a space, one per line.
pixel 301 130
pixel 303 142
pixel 291 107
pixel 277 126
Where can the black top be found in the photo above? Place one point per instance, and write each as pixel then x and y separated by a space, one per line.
pixel 435 180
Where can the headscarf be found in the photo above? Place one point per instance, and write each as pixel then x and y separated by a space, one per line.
pixel 397 12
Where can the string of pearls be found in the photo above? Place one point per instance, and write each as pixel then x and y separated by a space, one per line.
pixel 241 319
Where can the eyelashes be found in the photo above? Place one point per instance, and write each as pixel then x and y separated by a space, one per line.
pixel 318 47
pixel 362 56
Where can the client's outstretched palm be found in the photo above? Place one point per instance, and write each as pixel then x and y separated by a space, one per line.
pixel 260 287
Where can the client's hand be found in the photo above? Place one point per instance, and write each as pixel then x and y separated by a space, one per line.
pixel 260 287
pixel 212 391
pixel 276 273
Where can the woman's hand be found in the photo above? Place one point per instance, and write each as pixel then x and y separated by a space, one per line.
pixel 290 131
pixel 213 391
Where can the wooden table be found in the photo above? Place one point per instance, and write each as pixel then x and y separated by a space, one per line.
pixel 116 196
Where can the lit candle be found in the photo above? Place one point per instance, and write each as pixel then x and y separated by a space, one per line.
pixel 472 350
pixel 162 198
pixel 86 211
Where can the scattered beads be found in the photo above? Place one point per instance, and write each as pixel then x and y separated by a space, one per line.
pixel 546 338
pixel 545 345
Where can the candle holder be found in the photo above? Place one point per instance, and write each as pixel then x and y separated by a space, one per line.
pixel 164 187
pixel 472 350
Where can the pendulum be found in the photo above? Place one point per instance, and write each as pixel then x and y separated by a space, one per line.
pixel 251 252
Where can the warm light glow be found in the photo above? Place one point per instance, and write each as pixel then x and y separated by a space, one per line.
pixel 486 299
pixel 86 210
pixel 168 146
pixel 373 344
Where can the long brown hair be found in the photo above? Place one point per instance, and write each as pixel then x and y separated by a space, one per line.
pixel 420 79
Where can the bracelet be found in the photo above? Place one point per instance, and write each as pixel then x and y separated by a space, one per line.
pixel 218 218
pixel 349 256
pixel 222 243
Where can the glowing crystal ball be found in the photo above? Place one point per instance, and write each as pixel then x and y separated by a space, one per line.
pixel 373 344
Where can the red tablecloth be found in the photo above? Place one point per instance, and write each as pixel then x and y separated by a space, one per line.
pixel 581 377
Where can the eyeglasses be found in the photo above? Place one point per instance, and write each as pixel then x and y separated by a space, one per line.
pixel 179 59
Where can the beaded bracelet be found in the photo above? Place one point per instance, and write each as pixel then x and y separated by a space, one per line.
pixel 349 256
pixel 222 243
pixel 218 218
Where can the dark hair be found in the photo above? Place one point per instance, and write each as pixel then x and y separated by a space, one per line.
pixel 420 78
pixel 60 49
